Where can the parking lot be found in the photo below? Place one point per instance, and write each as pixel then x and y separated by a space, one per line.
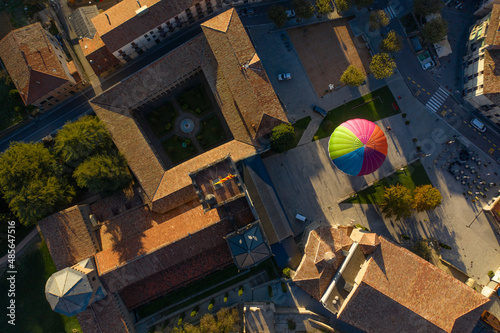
pixel 326 50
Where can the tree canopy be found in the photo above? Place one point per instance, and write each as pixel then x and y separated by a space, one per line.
pixel 382 65
pixel 353 76
pixel 324 6
pixel 343 5
pixel 282 138
pixel 103 173
pixel 226 321
pixel 426 197
pixel 426 7
pixel 435 30
pixel 391 43
pixel 378 18
pixel 80 139
pixel 31 181
pixel 303 8
pixel 397 202
pixel 277 14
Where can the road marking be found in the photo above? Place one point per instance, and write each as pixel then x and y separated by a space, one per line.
pixel 408 78
pixel 418 93
pixel 428 93
pixel 494 145
pixel 484 137
pixel 418 85
pixel 443 113
pixel 489 141
pixel 465 122
pixel 491 151
pixel 423 89
pixel 437 99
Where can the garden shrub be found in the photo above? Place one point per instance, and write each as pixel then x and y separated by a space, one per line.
pixel 226 296
pixel 491 274
pixel 286 272
pixel 444 246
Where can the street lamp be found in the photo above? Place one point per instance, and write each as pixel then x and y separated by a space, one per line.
pixel 482 210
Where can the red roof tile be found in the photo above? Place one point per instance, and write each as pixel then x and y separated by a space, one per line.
pixel 68 237
pixel 104 316
pixel 120 25
pixel 32 63
pixel 322 257
pixel 401 292
pixel 244 78
pixel 98 55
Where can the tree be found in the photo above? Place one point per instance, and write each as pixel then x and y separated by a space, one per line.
pixel 282 138
pixel 107 173
pixel 425 7
pixel 391 43
pixel 435 30
pixel 324 6
pixel 363 3
pixel 426 197
pixel 303 8
pixel 343 5
pixel 82 138
pixel 226 321
pixel 378 18
pixel 353 76
pixel 382 65
pixel 31 181
pixel 397 201
pixel 277 14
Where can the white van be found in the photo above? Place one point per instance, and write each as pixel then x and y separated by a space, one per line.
pixel 478 125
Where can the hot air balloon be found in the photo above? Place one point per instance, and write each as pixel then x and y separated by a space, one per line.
pixel 357 147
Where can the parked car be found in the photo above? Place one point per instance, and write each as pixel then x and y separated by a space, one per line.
pixel 427 65
pixel 478 125
pixel 320 111
pixel 284 76
pixel 290 13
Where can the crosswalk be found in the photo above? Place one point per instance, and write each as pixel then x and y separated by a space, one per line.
pixel 437 99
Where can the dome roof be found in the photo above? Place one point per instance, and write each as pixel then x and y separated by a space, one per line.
pixel 68 291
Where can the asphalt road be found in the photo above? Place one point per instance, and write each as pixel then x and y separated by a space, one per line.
pixel 424 88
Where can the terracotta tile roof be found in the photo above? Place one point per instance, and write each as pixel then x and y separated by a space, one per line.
pixel 492 58
pixel 98 55
pixel 167 257
pixel 104 316
pixel 400 292
pixel 367 241
pixel 108 208
pixel 237 150
pixel 120 24
pixel 141 232
pixel 244 79
pixel 491 35
pixel 32 63
pixel 176 276
pixel 68 237
pixel 322 257
pixel 131 142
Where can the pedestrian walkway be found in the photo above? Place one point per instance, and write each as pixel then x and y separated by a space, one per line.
pixel 437 99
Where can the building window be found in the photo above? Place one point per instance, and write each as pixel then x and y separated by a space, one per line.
pixel 43 102
pixel 482 56
pixel 470 77
pixel 148 39
pixel 475 75
pixel 476 59
pixel 469 91
pixel 475 88
pixel 146 36
pixel 470 62
pixel 481 72
pixel 481 86
pixel 71 92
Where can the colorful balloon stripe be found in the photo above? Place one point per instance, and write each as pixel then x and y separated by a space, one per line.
pixel 358 147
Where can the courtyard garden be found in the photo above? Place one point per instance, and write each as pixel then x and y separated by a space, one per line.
pixel 211 132
pixel 410 177
pixel 162 120
pixel 374 106
pixel 188 125
pixel 33 312
pixel 178 148
pixel 195 101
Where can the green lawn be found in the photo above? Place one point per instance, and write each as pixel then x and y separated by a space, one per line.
pixel 195 101
pixel 211 132
pixel 203 286
pixel 412 176
pixel 299 127
pixel 178 149
pixel 33 312
pixel 162 120
pixel 13 109
pixel 21 233
pixel 373 106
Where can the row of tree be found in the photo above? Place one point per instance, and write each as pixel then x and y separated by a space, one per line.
pixel 38 179
pixel 225 321
pixel 399 201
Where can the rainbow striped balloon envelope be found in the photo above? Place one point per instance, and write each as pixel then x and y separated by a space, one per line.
pixel 357 147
